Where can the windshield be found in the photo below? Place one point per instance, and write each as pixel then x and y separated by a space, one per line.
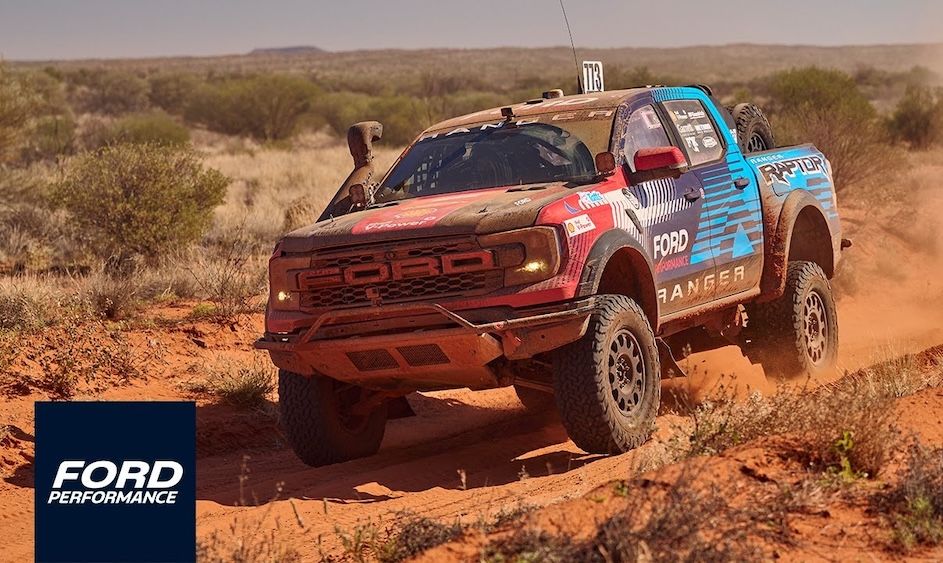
pixel 494 155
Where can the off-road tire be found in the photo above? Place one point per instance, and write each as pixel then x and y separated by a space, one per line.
pixel 796 335
pixel 754 133
pixel 315 422
pixel 534 400
pixel 608 383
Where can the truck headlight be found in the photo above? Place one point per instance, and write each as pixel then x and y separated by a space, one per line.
pixel 527 255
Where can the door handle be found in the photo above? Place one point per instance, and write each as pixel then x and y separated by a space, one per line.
pixel 693 194
pixel 741 183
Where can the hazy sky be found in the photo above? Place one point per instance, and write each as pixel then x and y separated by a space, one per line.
pixel 69 29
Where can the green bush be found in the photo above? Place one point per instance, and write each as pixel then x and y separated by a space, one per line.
pixel 139 199
pixel 116 92
pixel 171 91
pixel 18 105
pixel 342 109
pixel 918 117
pixel 403 117
pixel 266 107
pixel 157 128
pixel 51 132
pixel 826 108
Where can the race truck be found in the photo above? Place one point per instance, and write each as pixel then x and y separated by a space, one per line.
pixel 568 246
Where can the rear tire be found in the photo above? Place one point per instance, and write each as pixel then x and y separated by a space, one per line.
pixel 608 383
pixel 754 133
pixel 796 335
pixel 316 417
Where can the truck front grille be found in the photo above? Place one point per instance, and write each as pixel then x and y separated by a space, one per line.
pixel 399 272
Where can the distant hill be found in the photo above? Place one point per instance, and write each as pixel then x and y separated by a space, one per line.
pixel 372 70
pixel 298 50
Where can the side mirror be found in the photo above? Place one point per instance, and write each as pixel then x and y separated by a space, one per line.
pixel 656 163
pixel 605 162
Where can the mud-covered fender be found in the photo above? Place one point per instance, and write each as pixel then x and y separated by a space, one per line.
pixel 632 263
pixel 779 241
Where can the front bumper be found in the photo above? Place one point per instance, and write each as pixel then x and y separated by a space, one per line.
pixel 454 352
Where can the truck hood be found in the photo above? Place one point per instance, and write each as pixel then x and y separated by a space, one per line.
pixel 477 212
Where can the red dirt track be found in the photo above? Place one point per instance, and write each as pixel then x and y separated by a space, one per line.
pixel 466 456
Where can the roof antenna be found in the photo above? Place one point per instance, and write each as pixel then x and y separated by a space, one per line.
pixel 579 81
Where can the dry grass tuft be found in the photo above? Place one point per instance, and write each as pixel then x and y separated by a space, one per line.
pixel 80 352
pixel 686 520
pixel 268 182
pixel 244 384
pixel 914 504
pixel 248 539
pixel 26 302
pixel 409 535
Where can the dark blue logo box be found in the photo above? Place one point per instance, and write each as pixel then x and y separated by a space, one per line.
pixel 126 475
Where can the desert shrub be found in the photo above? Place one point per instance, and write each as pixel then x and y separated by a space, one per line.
pixel 845 429
pixel 408 536
pixel 18 105
pixel 140 199
pixel 529 544
pixel 115 92
pixel 157 128
pixel 918 117
pixel 683 520
pixel 265 107
pixel 170 91
pixel 52 136
pixel 415 534
pixel 401 117
pixel 24 304
pixel 915 502
pixel 342 109
pixel 231 272
pixel 52 131
pixel 105 295
pixel 241 384
pixel 826 108
pixel 81 352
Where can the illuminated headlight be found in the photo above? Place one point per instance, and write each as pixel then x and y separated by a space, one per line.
pixel 534 267
pixel 527 255
pixel 283 296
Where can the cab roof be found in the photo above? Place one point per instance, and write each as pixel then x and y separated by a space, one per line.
pixel 596 100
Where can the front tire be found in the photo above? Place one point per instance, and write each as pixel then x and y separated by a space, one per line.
pixel 608 383
pixel 318 422
pixel 797 334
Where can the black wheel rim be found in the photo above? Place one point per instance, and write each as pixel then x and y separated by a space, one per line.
pixel 627 375
pixel 815 328
pixel 756 143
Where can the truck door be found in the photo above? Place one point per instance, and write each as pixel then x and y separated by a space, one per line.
pixel 729 227
pixel 669 211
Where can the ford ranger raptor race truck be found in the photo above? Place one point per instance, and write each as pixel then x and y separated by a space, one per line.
pixel 566 246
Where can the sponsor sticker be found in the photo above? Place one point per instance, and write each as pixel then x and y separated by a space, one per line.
pixel 570 208
pixel 421 212
pixel 591 199
pixel 709 142
pixel 523 201
pixel 783 171
pixel 579 225
pixel 115 481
